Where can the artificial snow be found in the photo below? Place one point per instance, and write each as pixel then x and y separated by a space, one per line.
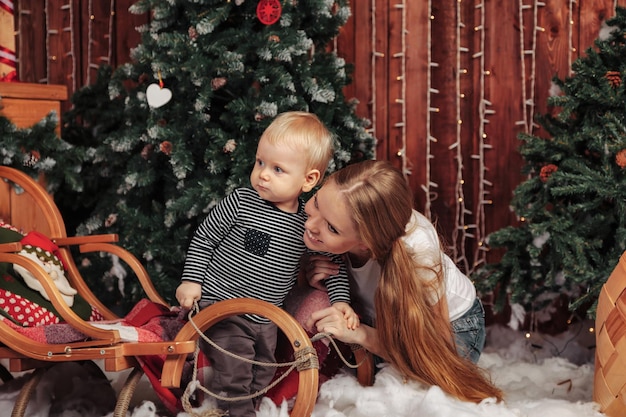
pixel 540 376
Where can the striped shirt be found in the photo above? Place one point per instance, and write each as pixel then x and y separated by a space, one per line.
pixel 246 247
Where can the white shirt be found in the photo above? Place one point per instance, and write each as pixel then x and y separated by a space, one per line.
pixel 423 240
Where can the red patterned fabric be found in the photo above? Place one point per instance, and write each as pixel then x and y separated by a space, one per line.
pixel 24 311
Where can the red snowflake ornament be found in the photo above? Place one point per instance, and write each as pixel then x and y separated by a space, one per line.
pixel 268 11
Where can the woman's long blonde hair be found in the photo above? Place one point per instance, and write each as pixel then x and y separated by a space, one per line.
pixel 414 331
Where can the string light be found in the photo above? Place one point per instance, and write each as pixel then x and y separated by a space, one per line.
pixel 373 65
pixel 68 7
pixel 90 40
pixel 480 252
pixel 406 169
pixel 460 232
pixel 429 85
pixel 570 36
pixel 46 8
pixel 111 25
pixel 94 63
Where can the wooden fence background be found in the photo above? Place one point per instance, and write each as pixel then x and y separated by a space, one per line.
pixel 447 84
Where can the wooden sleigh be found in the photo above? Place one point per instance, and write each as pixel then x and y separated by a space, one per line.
pixel 25 204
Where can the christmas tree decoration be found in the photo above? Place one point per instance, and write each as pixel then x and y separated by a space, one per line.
pixel 31 158
pixel 546 171
pixel 268 11
pixel 217 83
pixel 157 95
pixel 574 201
pixel 45 253
pixel 166 147
pixel 614 78
pixel 159 166
pixel 620 158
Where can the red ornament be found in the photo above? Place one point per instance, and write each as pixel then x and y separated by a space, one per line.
pixel 268 11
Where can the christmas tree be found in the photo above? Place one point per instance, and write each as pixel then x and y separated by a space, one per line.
pixel 572 207
pixel 175 130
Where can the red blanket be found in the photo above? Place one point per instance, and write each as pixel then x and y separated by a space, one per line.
pixel 146 322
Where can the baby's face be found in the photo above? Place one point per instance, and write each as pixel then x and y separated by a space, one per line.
pixel 279 174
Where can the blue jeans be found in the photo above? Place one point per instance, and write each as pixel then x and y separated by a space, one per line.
pixel 469 332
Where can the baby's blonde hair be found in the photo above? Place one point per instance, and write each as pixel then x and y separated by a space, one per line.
pixel 304 132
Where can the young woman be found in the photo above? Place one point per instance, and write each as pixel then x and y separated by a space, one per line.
pixel 418 311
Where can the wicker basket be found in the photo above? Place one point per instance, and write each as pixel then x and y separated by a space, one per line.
pixel 609 387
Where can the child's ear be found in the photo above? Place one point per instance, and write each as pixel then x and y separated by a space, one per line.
pixel 310 180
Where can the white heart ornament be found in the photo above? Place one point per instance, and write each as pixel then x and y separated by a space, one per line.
pixel 158 96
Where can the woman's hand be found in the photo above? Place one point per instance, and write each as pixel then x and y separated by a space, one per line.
pixel 317 268
pixel 331 320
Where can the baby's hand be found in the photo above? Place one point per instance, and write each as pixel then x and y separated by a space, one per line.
pixel 352 319
pixel 188 292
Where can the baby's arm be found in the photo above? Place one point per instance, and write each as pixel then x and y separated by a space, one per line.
pixel 188 292
pixel 352 319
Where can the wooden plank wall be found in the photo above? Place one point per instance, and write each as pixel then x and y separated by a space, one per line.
pixel 459 55
pixel 64 41
pixel 447 84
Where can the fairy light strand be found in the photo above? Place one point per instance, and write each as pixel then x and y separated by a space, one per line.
pixel 459 232
pixel 90 19
pixel 373 59
pixel 72 53
pixel 111 26
pixel 46 8
pixel 528 71
pixel 479 234
pixel 406 169
pixel 522 60
pixel 532 78
pixel 93 63
pixel 430 196
pixel 570 41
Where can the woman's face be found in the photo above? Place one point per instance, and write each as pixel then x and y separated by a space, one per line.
pixel 329 227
